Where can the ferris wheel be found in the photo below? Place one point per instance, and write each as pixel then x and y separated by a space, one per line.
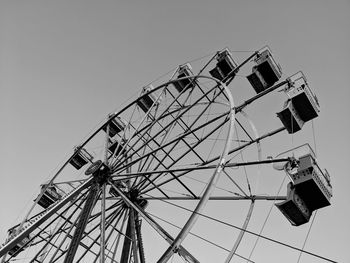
pixel 164 178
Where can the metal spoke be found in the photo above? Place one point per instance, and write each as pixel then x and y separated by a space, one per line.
pixel 119 235
pixel 186 109
pixel 193 168
pixel 195 145
pixel 219 198
pixel 113 216
pixel 181 250
pixel 58 229
pixel 67 232
pixel 230 152
pixel 184 154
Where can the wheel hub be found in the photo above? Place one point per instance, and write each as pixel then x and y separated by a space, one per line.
pixel 99 170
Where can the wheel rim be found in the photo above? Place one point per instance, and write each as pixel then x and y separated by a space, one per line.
pixel 187 121
pixel 167 147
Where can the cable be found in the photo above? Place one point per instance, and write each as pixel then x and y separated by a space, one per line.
pixel 200 58
pixel 244 168
pixel 201 238
pixel 215 141
pixel 216 187
pixel 267 217
pixel 313 219
pixel 158 78
pixel 253 233
pixel 314 137
pixel 242 51
pixel 307 236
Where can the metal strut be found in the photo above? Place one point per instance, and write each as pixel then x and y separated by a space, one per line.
pixel 132 242
pixel 182 251
pixel 127 242
pixel 83 220
pixel 139 238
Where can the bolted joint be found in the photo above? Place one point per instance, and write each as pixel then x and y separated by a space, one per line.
pixel 99 170
pixel 175 249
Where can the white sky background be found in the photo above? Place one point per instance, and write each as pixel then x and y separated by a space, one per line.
pixel 66 64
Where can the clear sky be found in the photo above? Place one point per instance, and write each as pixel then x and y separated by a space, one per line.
pixel 64 65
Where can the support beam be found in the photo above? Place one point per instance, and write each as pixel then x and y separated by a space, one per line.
pixel 127 243
pixel 116 246
pixel 133 236
pixel 139 238
pixel 83 220
pixel 181 250
pixel 103 219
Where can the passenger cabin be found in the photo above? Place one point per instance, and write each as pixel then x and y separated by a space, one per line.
pixel 114 126
pixel 310 188
pixel 80 158
pixel 301 106
pixel 294 208
pixel 304 101
pixel 290 117
pixel 146 101
pixel 49 197
pixel 312 184
pixel 265 73
pixel 184 71
pixel 224 66
pixel 20 246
